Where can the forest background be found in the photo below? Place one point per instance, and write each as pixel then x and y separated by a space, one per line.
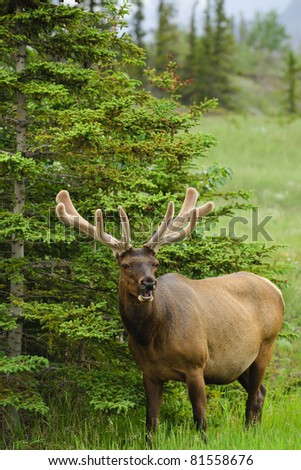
pixel 94 105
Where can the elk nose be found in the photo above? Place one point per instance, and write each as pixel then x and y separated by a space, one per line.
pixel 149 284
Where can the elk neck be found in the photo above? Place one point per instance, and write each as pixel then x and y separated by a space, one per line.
pixel 142 320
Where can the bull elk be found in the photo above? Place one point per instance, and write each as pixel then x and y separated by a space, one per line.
pixel 209 331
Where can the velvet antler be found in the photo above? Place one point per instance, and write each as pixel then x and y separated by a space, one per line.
pixel 172 229
pixel 67 214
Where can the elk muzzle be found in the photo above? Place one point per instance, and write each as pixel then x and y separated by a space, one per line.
pixel 147 287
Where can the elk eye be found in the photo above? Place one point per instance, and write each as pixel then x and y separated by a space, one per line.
pixel 125 266
pixel 155 265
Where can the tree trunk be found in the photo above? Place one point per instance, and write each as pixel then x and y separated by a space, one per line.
pixel 17 245
pixel 15 336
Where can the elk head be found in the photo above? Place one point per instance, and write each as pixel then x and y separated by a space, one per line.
pixel 138 266
pixel 137 273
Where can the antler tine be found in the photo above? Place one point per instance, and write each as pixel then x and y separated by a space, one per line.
pixel 174 232
pixel 178 236
pixel 105 237
pixel 67 214
pixel 101 235
pixel 164 230
pixel 205 209
pixel 125 225
pixel 118 246
pixel 168 218
pixel 184 214
pixel 189 202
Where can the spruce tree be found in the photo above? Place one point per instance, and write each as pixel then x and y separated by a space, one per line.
pixel 192 38
pixel 191 65
pixel 222 59
pixel 267 33
pixel 292 70
pixel 72 118
pixel 212 73
pixel 137 23
pixel 58 65
pixel 242 30
pixel 165 36
pixel 206 74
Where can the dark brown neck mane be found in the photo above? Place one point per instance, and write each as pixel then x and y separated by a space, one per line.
pixel 141 319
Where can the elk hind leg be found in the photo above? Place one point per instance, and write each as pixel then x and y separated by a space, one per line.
pixel 259 400
pixel 256 391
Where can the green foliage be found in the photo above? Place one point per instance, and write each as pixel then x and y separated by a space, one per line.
pixel 220 256
pixel 18 388
pixel 137 21
pixel 17 167
pixel 12 365
pixel 7 322
pixel 267 32
pixel 209 63
pixel 165 35
pixel 74 324
pixel 110 396
pixel 291 78
pixel 238 62
pixel 261 56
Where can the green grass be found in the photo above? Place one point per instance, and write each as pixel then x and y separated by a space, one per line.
pixel 71 428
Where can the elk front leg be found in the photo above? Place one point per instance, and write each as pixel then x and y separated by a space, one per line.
pixel 153 391
pixel 197 396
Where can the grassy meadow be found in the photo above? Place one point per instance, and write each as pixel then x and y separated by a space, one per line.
pixel 264 156
pixel 69 427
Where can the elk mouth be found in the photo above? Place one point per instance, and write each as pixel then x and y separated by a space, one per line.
pixel 145 295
